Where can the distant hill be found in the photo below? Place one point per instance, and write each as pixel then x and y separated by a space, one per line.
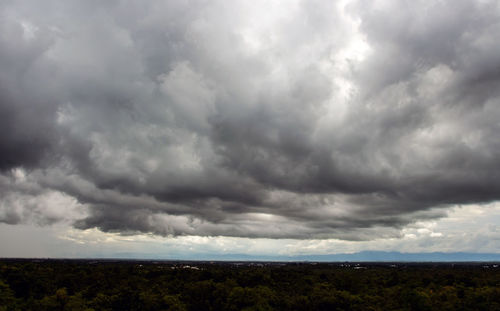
pixel 397 256
pixel 364 256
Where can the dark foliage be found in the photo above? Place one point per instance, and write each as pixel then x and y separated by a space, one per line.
pixel 134 285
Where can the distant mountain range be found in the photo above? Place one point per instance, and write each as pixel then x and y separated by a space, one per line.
pixel 365 256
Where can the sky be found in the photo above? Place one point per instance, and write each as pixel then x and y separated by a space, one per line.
pixel 291 127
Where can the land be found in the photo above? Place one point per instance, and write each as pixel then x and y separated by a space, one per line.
pixel 39 284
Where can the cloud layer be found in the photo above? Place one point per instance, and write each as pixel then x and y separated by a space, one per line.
pixel 302 119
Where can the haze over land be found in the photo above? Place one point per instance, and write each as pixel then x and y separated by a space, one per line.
pixel 262 128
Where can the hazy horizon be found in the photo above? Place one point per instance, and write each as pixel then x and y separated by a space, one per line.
pixel 360 257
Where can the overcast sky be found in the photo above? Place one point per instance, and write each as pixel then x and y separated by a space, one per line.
pixel 249 126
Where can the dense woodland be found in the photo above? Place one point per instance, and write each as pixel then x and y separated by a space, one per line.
pixel 135 285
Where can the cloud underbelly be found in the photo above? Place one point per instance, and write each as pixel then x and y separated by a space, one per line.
pixel 305 120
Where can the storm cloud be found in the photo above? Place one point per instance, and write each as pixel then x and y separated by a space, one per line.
pixel 296 119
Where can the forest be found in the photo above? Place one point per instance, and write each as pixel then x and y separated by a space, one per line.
pixel 156 285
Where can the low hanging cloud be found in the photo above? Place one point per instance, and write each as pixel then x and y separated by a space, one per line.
pixel 304 119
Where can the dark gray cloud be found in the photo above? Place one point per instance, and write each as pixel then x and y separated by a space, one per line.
pixel 306 120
